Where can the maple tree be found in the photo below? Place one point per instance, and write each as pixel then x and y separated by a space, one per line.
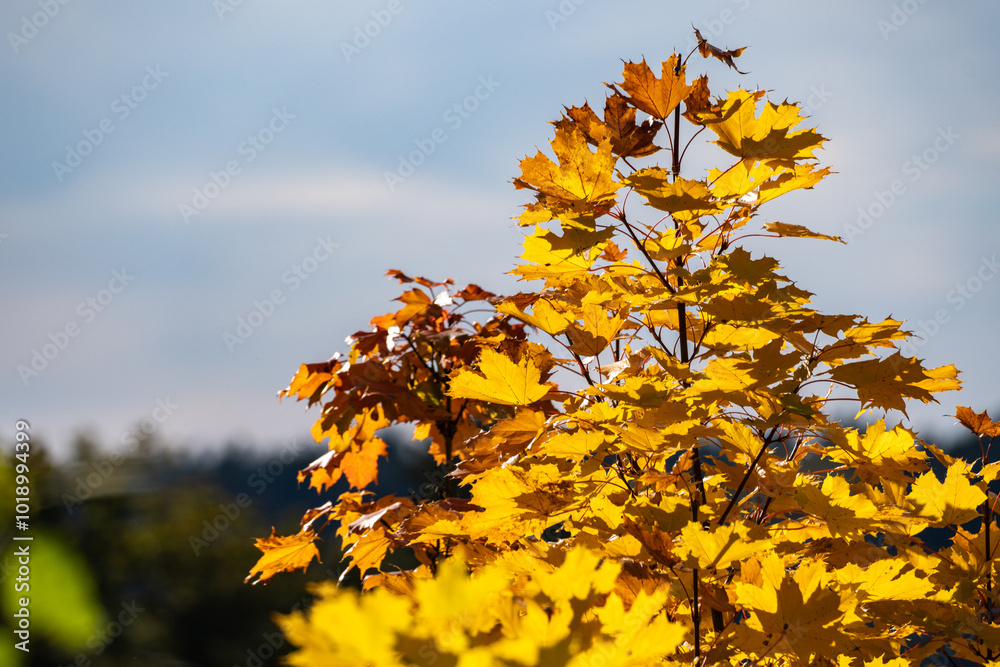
pixel 641 462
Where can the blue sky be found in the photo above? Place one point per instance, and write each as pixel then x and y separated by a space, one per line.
pixel 171 167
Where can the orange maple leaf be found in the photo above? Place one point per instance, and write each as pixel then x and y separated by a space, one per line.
pixel 980 424
pixel 657 97
pixel 359 465
pixel 310 378
pixel 283 554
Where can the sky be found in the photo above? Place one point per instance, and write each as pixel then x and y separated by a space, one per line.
pixel 196 197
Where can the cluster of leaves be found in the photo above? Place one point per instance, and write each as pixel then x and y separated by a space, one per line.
pixel 659 480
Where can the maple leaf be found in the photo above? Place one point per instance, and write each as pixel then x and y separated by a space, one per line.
pixel 283 554
pixel 727 376
pixel 643 635
pixel 801 176
pixel 369 551
pixel 800 607
pixel 784 229
pixel 509 437
pixel 736 337
pixel 499 380
pixel 453 604
pixel 768 137
pixel 597 332
pixel 348 630
pixel 707 50
pixel 878 454
pixel 843 513
pixel 576 444
pixel 656 96
pixel 311 379
pixel 543 316
pixel 698 107
pixel 359 465
pixel 885 580
pixel 719 546
pixel 682 198
pixel 952 502
pixel 980 424
pixel 518 502
pixel 555 257
pixel 741 181
pixel 580 176
pixel 627 138
pixel 885 383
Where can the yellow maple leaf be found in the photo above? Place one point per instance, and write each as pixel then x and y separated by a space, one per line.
pixel 369 551
pixel 643 635
pixel 882 581
pixel 518 502
pixel 878 454
pixel 284 554
pixel 342 628
pixel 500 380
pixel 573 254
pixel 875 334
pixel 581 571
pixel 844 514
pixel 952 502
pixel 767 137
pixel 799 610
pixel 891 662
pixel 580 176
pixel 542 316
pixel 720 546
pixel 573 444
pixel 798 231
pixel 942 378
pixel 684 199
pixel 597 332
pixel 886 383
pixel 452 606
pixel 725 375
pixel 801 176
pixel 667 245
pixel 739 180
pixel 744 338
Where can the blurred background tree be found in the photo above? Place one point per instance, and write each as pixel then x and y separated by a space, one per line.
pixel 139 557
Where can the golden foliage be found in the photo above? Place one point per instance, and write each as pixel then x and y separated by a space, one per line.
pixel 654 478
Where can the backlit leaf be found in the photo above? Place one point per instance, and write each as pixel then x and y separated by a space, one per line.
pixel 656 96
pixel 500 380
pixel 769 136
pixel 284 554
pixel 580 176
pixel 953 501
pixel 980 424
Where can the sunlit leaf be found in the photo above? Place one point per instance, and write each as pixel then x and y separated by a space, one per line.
pixel 283 554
